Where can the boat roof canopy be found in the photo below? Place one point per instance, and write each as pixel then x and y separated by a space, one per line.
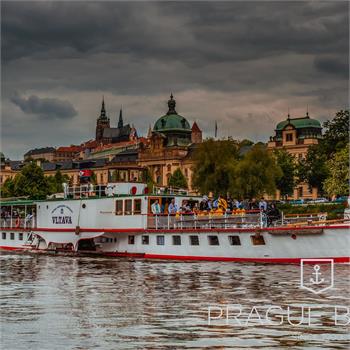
pixel 17 202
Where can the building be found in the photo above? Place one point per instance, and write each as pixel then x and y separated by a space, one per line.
pixel 64 153
pixel 106 135
pixel 171 144
pixel 45 153
pixel 296 135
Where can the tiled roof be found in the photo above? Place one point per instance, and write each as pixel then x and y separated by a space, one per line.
pixel 69 149
pixel 40 151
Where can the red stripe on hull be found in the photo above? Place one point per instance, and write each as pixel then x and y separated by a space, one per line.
pixel 11 248
pixel 218 258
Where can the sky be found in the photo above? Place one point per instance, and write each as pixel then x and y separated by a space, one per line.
pixel 242 64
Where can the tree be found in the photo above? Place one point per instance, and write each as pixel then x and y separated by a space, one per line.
pixel 59 180
pixel 337 183
pixel 8 188
pixel 336 135
pixel 313 169
pixel 286 162
pixel 256 174
pixel 31 182
pixel 177 179
pixel 214 163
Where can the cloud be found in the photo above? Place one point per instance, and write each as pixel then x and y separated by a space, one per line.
pixel 45 108
pixel 240 63
pixel 333 65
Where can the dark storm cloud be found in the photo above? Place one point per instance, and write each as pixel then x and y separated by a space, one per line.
pixel 46 108
pixel 246 61
pixel 195 33
pixel 331 65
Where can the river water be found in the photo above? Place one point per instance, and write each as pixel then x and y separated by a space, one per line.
pixel 60 302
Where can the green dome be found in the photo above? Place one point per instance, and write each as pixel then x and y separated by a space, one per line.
pixel 299 123
pixel 171 122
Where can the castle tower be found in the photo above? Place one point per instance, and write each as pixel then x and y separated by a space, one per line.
pixel 102 123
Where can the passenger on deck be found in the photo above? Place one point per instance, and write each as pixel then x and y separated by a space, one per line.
pixel 263 204
pixel 172 208
pixel 155 207
pixel 185 207
pixel 273 214
pixel 203 205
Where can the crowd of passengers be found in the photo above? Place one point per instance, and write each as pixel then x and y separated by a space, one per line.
pixel 18 217
pixel 218 206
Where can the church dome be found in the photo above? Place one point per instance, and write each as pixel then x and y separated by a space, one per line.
pixel 172 121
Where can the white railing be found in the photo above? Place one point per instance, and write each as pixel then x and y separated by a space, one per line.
pixel 194 221
pixel 83 191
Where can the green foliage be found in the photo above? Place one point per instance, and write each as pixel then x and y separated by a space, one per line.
pixel 177 179
pixel 147 177
pixel 8 188
pixel 219 168
pixel 319 169
pixel 256 174
pixel 313 169
pixel 334 211
pixel 286 162
pixel 336 133
pixel 338 181
pixel 60 179
pixel 214 165
pixel 32 183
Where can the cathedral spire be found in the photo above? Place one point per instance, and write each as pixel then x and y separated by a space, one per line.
pixel 120 122
pixel 103 109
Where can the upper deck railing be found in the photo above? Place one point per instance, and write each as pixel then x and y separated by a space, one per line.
pixel 205 221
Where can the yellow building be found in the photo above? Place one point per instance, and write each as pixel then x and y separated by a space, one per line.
pixel 296 135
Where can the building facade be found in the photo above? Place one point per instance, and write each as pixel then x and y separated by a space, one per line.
pixel 296 135
pixel 171 143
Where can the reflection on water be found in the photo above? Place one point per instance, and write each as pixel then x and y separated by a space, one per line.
pixel 52 302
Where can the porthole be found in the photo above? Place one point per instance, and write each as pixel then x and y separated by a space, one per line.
pixel 83 206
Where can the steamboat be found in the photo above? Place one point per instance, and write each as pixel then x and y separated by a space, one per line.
pixel 117 220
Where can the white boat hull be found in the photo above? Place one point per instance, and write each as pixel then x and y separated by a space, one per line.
pixel 277 245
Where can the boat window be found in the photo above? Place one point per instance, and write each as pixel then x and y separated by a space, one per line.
pixel 131 239
pixel 119 207
pixel 115 240
pixel 176 240
pixel 145 239
pixel 160 240
pixel 194 240
pixel 4 235
pixel 128 207
pixel 12 235
pixel 213 240
pixel 20 236
pixel 234 240
pixel 137 206
pixel 257 240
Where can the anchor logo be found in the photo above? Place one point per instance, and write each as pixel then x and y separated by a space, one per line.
pixel 316 275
